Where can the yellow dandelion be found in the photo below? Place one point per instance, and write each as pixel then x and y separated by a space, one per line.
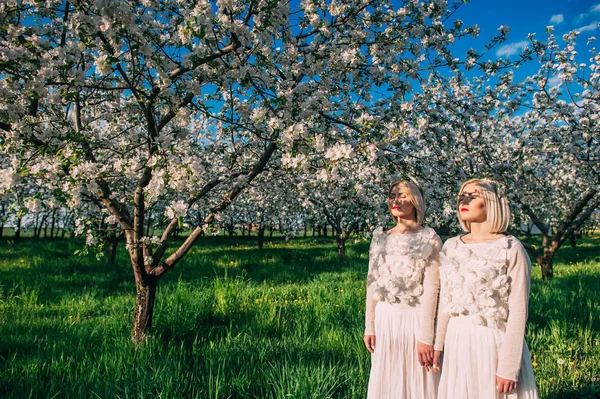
pixel 570 349
pixel 534 364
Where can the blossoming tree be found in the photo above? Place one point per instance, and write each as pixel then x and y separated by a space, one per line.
pixel 165 106
pixel 540 139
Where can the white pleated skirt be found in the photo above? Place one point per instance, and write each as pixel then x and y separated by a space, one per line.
pixel 395 369
pixel 470 362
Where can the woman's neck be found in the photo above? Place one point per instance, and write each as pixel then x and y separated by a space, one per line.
pixel 405 226
pixel 481 232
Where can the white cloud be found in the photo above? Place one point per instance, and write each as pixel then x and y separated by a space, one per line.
pixel 593 9
pixel 588 27
pixel 557 19
pixel 553 81
pixel 511 49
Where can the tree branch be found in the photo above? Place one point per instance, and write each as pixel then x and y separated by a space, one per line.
pixel 172 260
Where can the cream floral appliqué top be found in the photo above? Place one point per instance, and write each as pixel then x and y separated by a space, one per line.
pixel 403 268
pixel 474 284
pixel 488 282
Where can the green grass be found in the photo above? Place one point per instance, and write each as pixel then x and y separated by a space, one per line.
pixel 235 322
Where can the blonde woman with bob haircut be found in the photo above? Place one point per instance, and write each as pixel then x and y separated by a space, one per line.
pixel 402 290
pixel 484 295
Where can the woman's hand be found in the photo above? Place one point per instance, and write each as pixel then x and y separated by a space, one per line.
pixel 436 361
pixel 505 386
pixel 370 342
pixel 425 355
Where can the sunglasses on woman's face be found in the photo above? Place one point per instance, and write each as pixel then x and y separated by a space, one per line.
pixel 466 198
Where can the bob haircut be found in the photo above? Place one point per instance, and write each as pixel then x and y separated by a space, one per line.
pixel 415 196
pixel 498 212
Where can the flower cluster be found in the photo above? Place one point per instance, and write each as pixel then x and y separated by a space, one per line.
pixel 398 262
pixel 473 285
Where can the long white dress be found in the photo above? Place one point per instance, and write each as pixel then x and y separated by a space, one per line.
pixel 402 290
pixel 484 296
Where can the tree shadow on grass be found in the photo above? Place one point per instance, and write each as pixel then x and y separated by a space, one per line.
pixel 272 264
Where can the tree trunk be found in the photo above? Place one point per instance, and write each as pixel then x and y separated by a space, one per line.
pixel 305 229
pixel 45 224
pixel 35 226
pixel 313 230
pixel 341 246
pixel 53 223
pixel 271 231
pixel 573 241
pixel 325 231
pixel 113 243
pixel 546 263
pixel 144 309
pixel 261 236
pixel 18 228
pixel 243 230
pixel 547 258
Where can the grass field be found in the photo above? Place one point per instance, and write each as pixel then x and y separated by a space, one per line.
pixel 235 322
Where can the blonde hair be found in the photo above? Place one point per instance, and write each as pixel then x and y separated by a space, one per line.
pixel 496 206
pixel 414 195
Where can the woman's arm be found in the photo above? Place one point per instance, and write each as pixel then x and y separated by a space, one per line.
pixel 431 288
pixel 519 270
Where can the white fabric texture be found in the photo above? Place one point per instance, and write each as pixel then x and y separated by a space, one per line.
pixel 395 369
pixel 402 291
pixel 469 363
pixel 484 296
pixel 404 268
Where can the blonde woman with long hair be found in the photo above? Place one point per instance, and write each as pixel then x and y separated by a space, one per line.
pixel 484 295
pixel 402 290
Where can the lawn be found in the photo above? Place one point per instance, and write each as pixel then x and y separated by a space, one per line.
pixel 235 322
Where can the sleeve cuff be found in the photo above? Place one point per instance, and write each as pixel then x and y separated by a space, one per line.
pixel 508 378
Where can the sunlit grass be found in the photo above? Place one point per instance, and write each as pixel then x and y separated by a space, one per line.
pixel 235 322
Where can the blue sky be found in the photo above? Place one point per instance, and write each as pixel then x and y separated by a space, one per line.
pixel 530 16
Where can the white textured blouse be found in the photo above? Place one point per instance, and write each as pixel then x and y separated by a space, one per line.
pixel 403 268
pixel 488 281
